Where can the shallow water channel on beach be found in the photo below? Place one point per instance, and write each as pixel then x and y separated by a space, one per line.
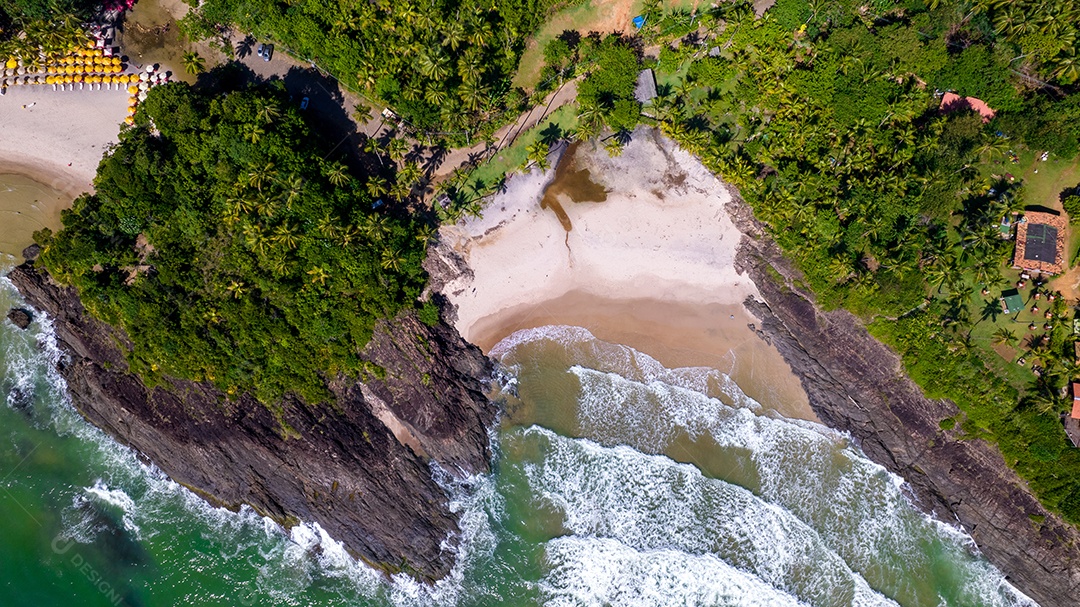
pixel 571 183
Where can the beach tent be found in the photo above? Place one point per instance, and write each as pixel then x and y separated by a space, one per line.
pixel 1011 301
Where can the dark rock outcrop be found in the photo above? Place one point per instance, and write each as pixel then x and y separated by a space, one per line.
pixel 359 467
pixel 857 385
pixel 20 318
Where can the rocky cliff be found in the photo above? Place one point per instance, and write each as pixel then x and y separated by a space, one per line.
pixel 856 384
pixel 360 467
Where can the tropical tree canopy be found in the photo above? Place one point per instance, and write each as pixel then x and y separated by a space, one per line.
pixel 255 265
pixel 442 65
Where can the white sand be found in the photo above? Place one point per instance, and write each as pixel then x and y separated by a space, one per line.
pixel 651 267
pixel 61 138
pixel 663 233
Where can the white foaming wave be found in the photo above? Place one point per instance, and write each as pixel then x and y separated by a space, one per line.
pixel 118 499
pixel 857 506
pixel 652 503
pixel 285 561
pixel 600 571
pixel 580 344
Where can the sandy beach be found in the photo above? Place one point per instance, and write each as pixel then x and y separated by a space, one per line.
pixel 638 249
pixel 49 153
pixel 58 139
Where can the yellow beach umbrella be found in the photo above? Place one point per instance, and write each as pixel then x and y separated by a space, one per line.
pixel 129 120
pixel 11 64
pixel 133 100
pixel 78 78
pixel 67 79
pixel 50 80
pixel 133 89
pixel 131 110
pixel 90 45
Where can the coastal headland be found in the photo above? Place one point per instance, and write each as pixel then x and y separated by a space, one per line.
pixel 670 261
pixel 360 467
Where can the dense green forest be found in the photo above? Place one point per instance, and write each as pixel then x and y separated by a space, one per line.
pixel 445 66
pixel 826 116
pixel 230 248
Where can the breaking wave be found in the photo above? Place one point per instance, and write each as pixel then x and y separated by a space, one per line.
pixel 607 518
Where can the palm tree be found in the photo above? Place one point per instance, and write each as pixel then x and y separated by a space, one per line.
pixel 287 236
pixel 614 147
pixel 259 177
pixel 362 114
pixel 236 288
pixel 376 186
pixel 400 190
pixel 267 112
pixel 338 175
pixel 194 63
pixel 991 309
pixel 1005 337
pixel 410 173
pixel 537 152
pixel 318 275
pixel 391 260
pixel 397 148
pixel 293 188
pixel 254 132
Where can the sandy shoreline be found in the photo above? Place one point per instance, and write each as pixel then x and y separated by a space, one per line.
pixel 56 141
pixel 650 266
pixel 60 139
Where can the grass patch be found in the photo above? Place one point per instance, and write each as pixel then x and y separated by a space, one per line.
pixel 594 15
pixel 511 159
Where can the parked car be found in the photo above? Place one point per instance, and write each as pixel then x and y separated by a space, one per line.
pixel 268 52
pixel 304 103
pixel 259 51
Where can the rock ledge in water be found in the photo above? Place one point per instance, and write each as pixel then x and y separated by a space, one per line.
pixel 857 385
pixel 22 318
pixel 361 467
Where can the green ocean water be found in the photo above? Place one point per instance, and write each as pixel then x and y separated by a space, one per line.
pixel 616 482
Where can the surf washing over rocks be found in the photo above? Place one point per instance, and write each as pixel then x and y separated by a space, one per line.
pixel 618 482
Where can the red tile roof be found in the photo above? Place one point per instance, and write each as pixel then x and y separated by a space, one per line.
pixel 1020 260
pixel 951 102
pixel 1076 400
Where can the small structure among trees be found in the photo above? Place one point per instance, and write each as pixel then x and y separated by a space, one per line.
pixel 1011 301
pixel 1040 243
pixel 951 102
pixel 645 90
pixel 1072 423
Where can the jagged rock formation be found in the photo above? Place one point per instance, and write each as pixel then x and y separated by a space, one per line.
pixel 359 467
pixel 856 384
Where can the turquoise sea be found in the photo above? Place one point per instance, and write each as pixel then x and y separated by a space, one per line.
pixel 616 482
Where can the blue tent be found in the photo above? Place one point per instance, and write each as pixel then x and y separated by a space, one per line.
pixel 639 21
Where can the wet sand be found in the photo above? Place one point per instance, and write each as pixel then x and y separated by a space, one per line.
pixel 676 334
pixel 651 266
pixel 51 145
pixel 26 206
